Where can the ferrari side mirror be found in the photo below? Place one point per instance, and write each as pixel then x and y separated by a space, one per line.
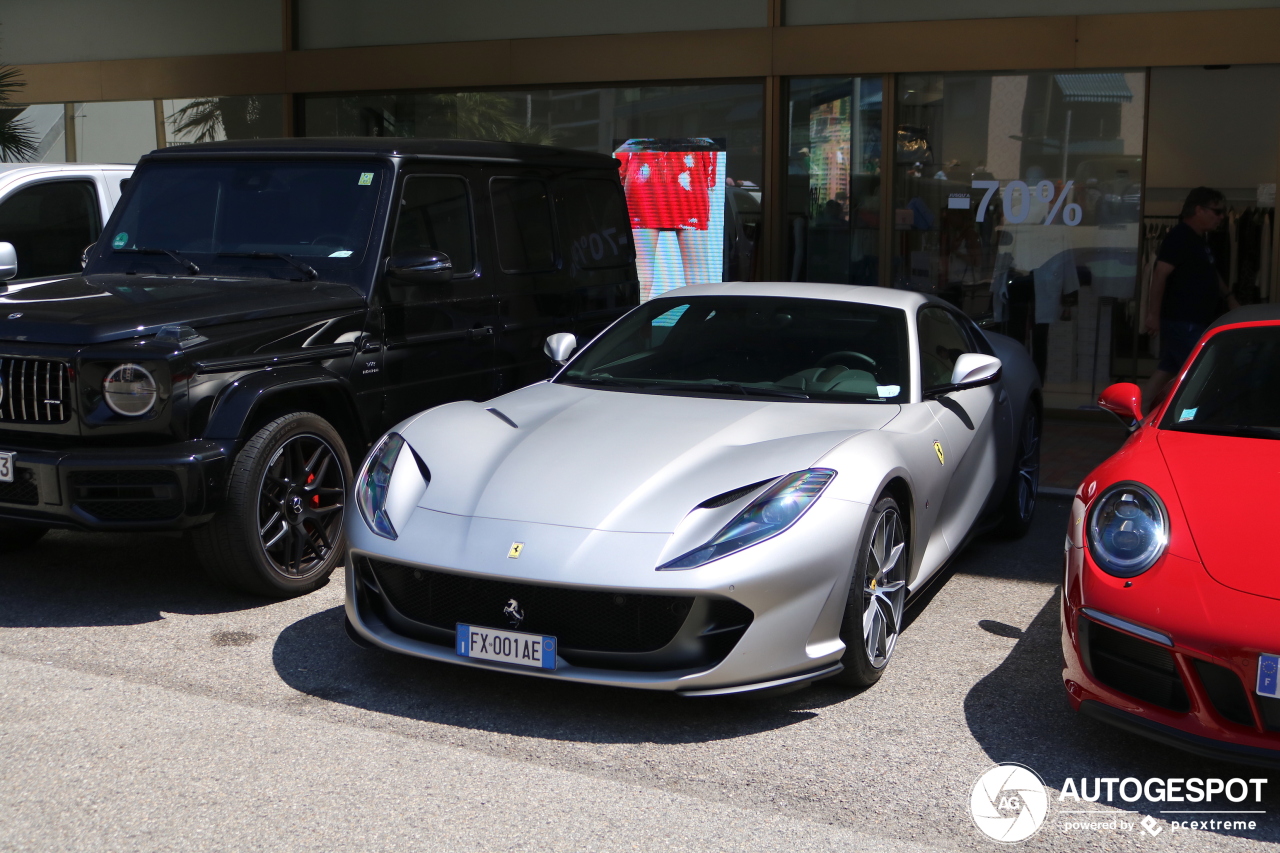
pixel 1124 400
pixel 8 261
pixel 560 346
pixel 973 369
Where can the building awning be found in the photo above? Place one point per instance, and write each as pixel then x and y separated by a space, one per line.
pixel 1094 88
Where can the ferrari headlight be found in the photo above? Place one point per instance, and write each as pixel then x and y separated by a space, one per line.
pixel 1128 529
pixel 375 482
pixel 130 390
pixel 767 516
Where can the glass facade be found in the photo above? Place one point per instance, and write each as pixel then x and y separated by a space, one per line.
pixel 214 118
pixel 693 157
pixel 1017 197
pixel 833 179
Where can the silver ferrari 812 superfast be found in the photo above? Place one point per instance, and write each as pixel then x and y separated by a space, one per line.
pixel 734 487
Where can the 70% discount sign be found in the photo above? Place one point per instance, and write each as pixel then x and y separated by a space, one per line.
pixel 1017 201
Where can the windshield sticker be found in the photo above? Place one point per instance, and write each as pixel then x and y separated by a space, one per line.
pixel 341 253
pixel 888 390
pixel 120 241
pixel 366 178
pixel 1187 414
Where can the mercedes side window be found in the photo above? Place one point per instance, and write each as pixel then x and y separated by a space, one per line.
pixel 435 215
pixel 942 342
pixel 592 215
pixel 522 216
pixel 49 224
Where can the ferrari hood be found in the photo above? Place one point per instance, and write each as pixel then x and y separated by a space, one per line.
pixel 1227 487
pixel 608 460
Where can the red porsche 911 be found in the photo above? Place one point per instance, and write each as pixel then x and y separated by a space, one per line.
pixel 1171 599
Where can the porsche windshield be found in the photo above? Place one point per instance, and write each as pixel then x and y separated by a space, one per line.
pixel 752 346
pixel 260 219
pixel 1233 388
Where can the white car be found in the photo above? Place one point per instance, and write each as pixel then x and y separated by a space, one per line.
pixel 51 212
pixel 734 487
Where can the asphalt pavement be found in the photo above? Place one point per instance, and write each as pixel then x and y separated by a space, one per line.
pixel 143 708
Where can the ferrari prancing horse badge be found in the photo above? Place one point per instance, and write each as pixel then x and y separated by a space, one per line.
pixel 517 547
pixel 937 448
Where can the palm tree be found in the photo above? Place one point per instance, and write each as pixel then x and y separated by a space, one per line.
pixel 209 119
pixel 17 141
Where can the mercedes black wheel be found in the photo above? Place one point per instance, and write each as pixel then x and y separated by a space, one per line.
pixel 280 532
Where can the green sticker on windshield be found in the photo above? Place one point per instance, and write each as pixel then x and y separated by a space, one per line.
pixel 366 178
pixel 120 240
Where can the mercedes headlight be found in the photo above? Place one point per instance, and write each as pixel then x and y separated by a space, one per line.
pixel 375 483
pixel 130 390
pixel 1128 529
pixel 767 516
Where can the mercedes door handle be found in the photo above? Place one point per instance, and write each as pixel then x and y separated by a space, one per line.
pixel 480 332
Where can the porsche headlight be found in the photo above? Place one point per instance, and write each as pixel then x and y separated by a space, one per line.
pixel 1128 529
pixel 130 390
pixel 767 516
pixel 375 482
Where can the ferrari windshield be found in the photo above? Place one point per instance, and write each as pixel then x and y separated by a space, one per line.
pixel 1233 388
pixel 262 219
pixel 752 346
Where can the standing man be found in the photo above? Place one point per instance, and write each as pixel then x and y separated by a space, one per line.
pixel 1186 289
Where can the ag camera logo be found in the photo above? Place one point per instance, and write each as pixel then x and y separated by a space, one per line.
pixel 1009 803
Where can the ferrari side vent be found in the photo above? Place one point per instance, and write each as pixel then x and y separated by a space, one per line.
pixel 1140 669
pixel 1225 692
pixel 729 497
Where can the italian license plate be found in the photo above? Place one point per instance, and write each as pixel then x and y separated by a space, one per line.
pixel 533 650
pixel 6 467
pixel 1268 676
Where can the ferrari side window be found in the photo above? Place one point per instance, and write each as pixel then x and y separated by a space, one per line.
pixel 942 342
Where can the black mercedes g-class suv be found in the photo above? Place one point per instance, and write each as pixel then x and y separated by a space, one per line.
pixel 255 314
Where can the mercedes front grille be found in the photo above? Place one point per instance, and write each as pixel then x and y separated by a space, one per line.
pixel 34 391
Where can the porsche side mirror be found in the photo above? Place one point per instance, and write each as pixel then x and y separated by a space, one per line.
pixel 974 369
pixel 421 267
pixel 560 346
pixel 1124 400
pixel 8 261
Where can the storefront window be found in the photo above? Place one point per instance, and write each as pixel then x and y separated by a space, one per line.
pixel 211 119
pixel 1016 197
pixel 833 180
pixel 692 159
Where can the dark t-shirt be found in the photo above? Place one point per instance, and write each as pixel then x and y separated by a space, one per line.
pixel 1191 292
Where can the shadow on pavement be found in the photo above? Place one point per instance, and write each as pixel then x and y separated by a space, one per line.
pixel 315 657
pixel 1019 713
pixel 95 579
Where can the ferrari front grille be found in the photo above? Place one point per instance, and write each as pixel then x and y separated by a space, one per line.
pixel 584 620
pixel 34 391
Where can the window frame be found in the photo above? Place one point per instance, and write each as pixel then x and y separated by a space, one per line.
pixel 406 177
pixel 99 222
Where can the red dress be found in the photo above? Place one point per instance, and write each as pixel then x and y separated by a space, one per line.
pixel 669 189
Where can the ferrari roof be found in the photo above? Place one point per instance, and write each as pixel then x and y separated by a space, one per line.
pixel 907 300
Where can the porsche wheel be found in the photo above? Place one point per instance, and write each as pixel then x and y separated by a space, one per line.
pixel 280 533
pixel 1020 499
pixel 877 596
pixel 18 537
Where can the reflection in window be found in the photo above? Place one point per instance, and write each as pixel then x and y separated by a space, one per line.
pixel 604 119
pixel 522 214
pixel 212 119
pixel 833 180
pixel 435 216
pixel 1016 197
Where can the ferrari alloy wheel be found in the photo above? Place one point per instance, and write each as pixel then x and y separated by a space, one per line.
pixel 877 598
pixel 281 531
pixel 1020 499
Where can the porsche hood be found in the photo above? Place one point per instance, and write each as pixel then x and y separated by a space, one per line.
pixel 617 461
